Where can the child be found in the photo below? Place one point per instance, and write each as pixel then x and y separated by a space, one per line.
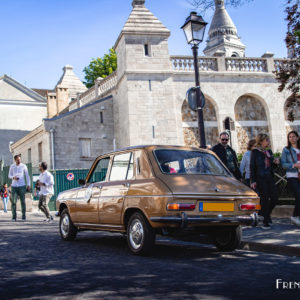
pixel 5 193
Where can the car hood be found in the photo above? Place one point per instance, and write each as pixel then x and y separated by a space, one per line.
pixel 202 185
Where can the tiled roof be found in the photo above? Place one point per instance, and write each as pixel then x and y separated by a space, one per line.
pixel 42 92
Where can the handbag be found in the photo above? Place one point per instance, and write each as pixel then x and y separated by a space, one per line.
pixel 294 162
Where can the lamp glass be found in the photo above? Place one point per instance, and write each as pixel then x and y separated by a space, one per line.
pixel 187 28
pixel 198 30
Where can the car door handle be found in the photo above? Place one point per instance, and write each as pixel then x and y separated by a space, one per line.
pixel 126 185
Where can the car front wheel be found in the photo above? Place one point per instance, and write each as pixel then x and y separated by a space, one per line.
pixel 67 229
pixel 228 239
pixel 140 234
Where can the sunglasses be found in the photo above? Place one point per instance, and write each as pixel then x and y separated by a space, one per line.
pixel 224 140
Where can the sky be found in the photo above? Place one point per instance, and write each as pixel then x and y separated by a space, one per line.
pixel 40 37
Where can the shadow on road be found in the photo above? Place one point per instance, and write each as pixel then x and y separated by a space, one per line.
pixel 37 264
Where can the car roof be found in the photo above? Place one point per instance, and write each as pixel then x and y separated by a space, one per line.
pixel 152 147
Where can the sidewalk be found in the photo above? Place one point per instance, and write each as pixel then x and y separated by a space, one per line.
pixel 282 238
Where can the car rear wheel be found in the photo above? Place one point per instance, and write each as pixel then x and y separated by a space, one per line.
pixel 228 239
pixel 67 229
pixel 140 234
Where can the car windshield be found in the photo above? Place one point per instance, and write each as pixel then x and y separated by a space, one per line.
pixel 189 162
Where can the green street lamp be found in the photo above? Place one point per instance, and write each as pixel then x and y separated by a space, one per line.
pixel 194 29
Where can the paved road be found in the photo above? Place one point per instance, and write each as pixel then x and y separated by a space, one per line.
pixel 36 264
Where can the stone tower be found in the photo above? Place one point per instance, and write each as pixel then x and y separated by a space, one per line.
pixel 222 35
pixel 142 106
pixel 65 91
pixel 70 81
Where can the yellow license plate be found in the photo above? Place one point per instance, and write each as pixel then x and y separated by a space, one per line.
pixel 209 206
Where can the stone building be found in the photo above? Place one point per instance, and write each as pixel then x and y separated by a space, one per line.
pixel 25 109
pixel 72 139
pixel 21 110
pixel 145 96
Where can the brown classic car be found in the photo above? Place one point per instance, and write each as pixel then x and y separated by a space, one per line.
pixel 168 190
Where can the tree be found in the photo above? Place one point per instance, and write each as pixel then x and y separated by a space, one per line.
pixel 288 72
pixel 100 67
pixel 204 5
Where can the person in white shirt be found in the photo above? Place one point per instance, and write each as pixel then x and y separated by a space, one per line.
pixel 46 184
pixel 18 173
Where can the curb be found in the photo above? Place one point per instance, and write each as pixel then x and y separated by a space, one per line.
pixel 270 248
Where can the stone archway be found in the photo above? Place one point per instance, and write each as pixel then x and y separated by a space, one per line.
pixel 190 124
pixel 295 124
pixel 251 119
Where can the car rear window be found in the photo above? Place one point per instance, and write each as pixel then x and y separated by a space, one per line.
pixel 188 162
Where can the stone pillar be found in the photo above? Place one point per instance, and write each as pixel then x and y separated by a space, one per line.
pixel 270 61
pixel 97 83
pixel 277 128
pixel 51 105
pixel 62 98
pixel 220 60
pixel 78 99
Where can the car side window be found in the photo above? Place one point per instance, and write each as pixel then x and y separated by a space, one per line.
pixel 122 167
pixel 130 168
pixel 99 172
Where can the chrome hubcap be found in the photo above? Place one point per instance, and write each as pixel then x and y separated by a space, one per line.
pixel 65 225
pixel 136 234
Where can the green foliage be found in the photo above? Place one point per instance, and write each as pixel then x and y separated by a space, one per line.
pixel 240 157
pixel 100 67
pixel 288 74
pixel 277 154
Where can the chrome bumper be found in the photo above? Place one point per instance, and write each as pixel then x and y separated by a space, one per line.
pixel 184 219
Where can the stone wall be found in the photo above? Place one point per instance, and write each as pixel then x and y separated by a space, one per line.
pixel 248 108
pixel 224 89
pixel 31 141
pixel 83 123
pixel 251 110
pixel 244 134
pixel 190 124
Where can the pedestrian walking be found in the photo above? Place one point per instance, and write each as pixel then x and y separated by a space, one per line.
pixel 18 173
pixel 262 177
pixel 227 155
pixel 46 182
pixel 5 195
pixel 245 163
pixel 290 161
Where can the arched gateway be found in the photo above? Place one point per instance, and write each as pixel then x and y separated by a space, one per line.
pixel 288 109
pixel 190 124
pixel 251 119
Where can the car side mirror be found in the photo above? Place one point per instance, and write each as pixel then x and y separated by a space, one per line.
pixel 81 181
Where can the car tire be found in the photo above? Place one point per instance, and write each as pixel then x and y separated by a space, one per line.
pixel 67 229
pixel 140 235
pixel 228 239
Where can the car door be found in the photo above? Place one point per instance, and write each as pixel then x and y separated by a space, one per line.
pixel 87 201
pixel 113 191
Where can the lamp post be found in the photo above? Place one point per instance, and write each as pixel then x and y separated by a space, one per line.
pixel 194 29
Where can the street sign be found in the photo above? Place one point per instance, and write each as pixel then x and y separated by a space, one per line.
pixel 191 96
pixel 70 176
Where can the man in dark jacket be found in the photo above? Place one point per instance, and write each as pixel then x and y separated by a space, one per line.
pixel 227 155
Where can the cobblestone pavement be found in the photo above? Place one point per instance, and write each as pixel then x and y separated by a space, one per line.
pixel 36 264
